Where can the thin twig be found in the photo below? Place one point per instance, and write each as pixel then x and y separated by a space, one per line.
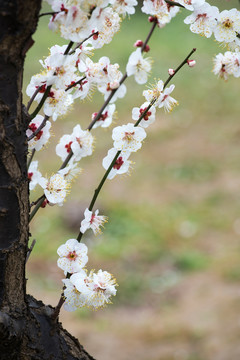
pixel 38 205
pixel 68 48
pixel 49 13
pixel 39 128
pixel 58 307
pixel 79 44
pixel 33 97
pixel 75 84
pixel 30 250
pixel 174 3
pixel 36 201
pixel 38 108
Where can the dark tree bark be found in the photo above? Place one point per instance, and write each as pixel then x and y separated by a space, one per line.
pixel 27 330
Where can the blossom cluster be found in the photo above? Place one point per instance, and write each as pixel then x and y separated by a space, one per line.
pixel 68 74
pixel 128 138
pixel 77 19
pixel 205 20
pixel 93 290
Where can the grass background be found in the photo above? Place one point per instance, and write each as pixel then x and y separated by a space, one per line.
pixel 172 240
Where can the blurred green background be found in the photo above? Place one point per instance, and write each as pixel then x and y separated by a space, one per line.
pixel 172 240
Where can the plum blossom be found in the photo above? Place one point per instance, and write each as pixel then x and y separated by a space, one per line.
pixel 107 23
pixel 80 142
pixel 203 20
pixel 92 221
pixel 73 298
pixel 160 97
pixel 34 176
pixel 158 9
pixel 227 64
pixel 166 101
pixel 42 136
pixel 96 288
pixel 121 165
pixel 72 256
pixel 70 171
pixel 40 82
pixel 106 117
pixel 228 25
pixel 57 103
pixel 124 7
pixel 63 67
pixel 191 4
pixel 128 137
pixel 138 66
pixel 55 189
pixel 148 118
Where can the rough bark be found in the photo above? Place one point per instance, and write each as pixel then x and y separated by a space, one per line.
pixel 26 328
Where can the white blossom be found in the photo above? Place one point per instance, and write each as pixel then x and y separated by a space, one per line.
pixel 73 298
pixel 128 137
pixel 72 256
pixel 96 288
pixel 191 4
pixel 106 117
pixel 121 165
pixel 228 25
pixel 34 176
pixel 42 136
pixel 203 20
pixel 124 7
pixel 92 221
pixel 55 189
pixel 148 118
pixel 57 103
pixel 138 66
pixel 160 96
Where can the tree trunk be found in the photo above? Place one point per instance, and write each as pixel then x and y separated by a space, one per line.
pixel 27 330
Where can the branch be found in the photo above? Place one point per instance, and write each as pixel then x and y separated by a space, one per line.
pixel 174 3
pixel 38 108
pixel 49 13
pixel 39 128
pixel 76 83
pixel 99 113
pixel 30 250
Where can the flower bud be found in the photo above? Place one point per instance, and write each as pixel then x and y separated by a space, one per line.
pixel 191 63
pixel 138 43
pixel 114 84
pixel 152 19
pixel 171 72
pixel 146 48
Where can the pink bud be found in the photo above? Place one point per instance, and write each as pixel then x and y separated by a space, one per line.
pixel 171 72
pixel 138 43
pixel 95 36
pixel 94 115
pixel 147 48
pixel 114 84
pixel 151 18
pixel 191 63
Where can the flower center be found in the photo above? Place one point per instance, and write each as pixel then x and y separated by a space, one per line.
pixel 227 23
pixel 128 136
pixel 146 116
pixel 118 163
pixel 72 255
pixel 68 146
pixel 79 142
